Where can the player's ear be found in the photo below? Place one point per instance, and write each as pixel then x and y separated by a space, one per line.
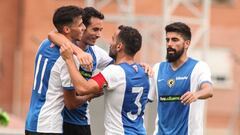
pixel 66 29
pixel 187 44
pixel 119 46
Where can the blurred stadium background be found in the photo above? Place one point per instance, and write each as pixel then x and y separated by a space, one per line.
pixel 216 31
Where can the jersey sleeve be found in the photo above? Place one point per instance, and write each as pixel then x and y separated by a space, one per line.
pixel 153 91
pixel 65 76
pixel 202 73
pixel 103 59
pixel 114 76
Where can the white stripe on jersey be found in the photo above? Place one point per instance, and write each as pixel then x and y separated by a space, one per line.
pixel 37 69
pixel 156 126
pixel 199 74
pixel 42 75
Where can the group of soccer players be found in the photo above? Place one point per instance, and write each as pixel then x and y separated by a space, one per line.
pixel 64 82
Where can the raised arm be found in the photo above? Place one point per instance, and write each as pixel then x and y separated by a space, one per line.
pixel 81 85
pixel 59 39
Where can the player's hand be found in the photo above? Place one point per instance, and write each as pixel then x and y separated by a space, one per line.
pixel 96 95
pixel 52 45
pixel 66 52
pixel 148 69
pixel 86 60
pixel 188 97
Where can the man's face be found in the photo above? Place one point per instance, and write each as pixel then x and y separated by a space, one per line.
pixel 175 46
pixel 76 29
pixel 113 45
pixel 93 31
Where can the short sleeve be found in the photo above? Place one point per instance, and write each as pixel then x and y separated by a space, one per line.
pixel 153 91
pixel 103 59
pixel 202 73
pixel 114 76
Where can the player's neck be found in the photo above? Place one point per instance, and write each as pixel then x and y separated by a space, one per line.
pixel 124 59
pixel 82 45
pixel 175 65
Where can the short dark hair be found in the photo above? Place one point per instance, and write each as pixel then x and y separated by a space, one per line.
pixel 90 12
pixel 65 16
pixel 180 28
pixel 131 38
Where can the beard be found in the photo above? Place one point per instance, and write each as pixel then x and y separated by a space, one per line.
pixel 113 55
pixel 172 57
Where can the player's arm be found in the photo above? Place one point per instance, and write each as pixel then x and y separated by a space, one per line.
pixel 205 88
pixel 81 85
pixel 72 101
pixel 152 90
pixel 153 81
pixel 59 39
pixel 206 91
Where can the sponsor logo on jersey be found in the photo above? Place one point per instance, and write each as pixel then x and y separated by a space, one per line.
pixel 181 78
pixel 169 98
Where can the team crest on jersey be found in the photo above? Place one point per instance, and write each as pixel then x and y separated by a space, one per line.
pixel 171 83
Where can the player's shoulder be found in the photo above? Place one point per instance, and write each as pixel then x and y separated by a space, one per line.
pixel 47 51
pixel 44 44
pixel 98 51
pixel 96 48
pixel 203 63
pixel 156 66
pixel 113 67
pixel 113 71
pixel 46 41
pixel 201 66
pixel 199 63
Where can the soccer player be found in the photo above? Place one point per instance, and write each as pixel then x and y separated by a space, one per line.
pixel 52 84
pixel 125 84
pixel 77 121
pixel 181 85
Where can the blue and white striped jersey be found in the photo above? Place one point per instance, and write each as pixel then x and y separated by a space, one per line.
pixel 173 117
pixel 50 78
pixel 125 99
